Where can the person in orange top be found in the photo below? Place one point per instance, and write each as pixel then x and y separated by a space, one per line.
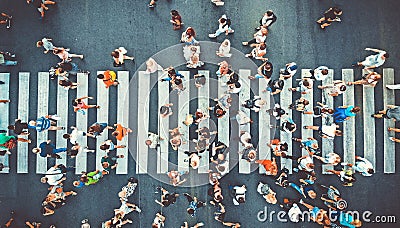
pixel 270 166
pixel 120 132
pixel 109 78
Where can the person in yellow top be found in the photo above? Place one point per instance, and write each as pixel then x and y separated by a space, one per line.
pixel 109 78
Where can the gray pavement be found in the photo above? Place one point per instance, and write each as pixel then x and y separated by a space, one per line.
pixel 95 28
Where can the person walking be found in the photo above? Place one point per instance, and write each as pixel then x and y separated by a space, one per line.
pixel 109 146
pixel 258 37
pixel 362 166
pixel 119 55
pixel 80 105
pixel 331 15
pixel 343 113
pixel 120 132
pixel 97 128
pixel 371 79
pixel 337 88
pixel 109 78
pixel 392 112
pixel 47 149
pixel 224 26
pixel 267 20
pixel 373 61
pixel 320 73
pixel 326 131
pixel 176 20
pixel 44 123
pixel 46 44
pixel 265 70
pixel 64 54
pixel 194 204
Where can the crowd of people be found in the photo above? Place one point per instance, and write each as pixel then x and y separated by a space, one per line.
pixel 304 181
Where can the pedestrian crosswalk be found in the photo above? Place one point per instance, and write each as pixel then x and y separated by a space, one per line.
pixel 160 157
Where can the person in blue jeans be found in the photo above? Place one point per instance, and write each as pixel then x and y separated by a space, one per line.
pixel 46 149
pixel 7 59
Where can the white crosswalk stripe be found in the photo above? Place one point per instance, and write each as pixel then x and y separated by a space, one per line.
pixel 163 125
pixel 204 103
pixel 286 100
pixel 264 152
pixel 42 110
pixel 23 105
pixel 389 162
pixel 81 123
pixel 123 119
pixel 4 107
pixel 62 112
pixel 183 107
pixel 244 165
pixel 223 122
pixel 144 158
pixel 327 144
pixel 307 119
pixel 349 127
pixel 369 122
pixel 143 122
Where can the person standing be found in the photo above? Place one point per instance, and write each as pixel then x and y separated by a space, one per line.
pixel 224 26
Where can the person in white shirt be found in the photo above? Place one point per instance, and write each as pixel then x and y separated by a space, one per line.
pixel 153 140
pixel 331 158
pixel 224 49
pixel 245 139
pixel 240 194
pixel 54 176
pixel 326 131
pixel 75 134
pixel 224 26
pixel 362 166
pixel 259 37
pixel 320 73
pixel 373 61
